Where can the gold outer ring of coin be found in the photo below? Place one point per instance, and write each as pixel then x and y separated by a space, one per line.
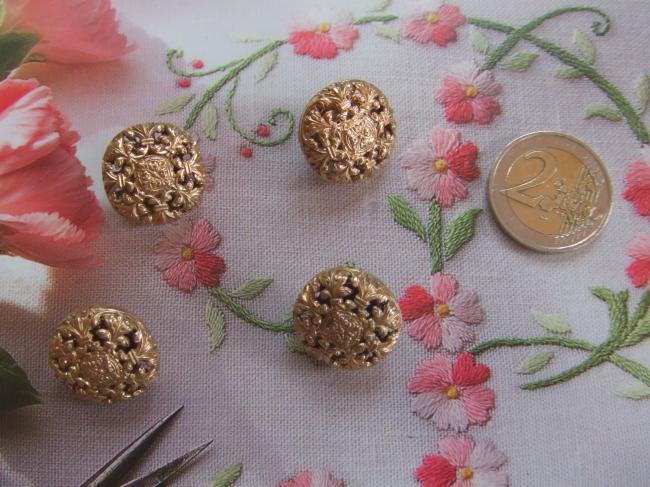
pixel 103 354
pixel 550 192
pixel 347 318
pixel 347 130
pixel 153 173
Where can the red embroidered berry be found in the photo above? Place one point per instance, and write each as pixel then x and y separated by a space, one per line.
pixel 184 82
pixel 197 64
pixel 263 130
pixel 246 152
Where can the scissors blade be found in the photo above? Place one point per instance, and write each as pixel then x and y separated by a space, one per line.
pixel 110 474
pixel 159 476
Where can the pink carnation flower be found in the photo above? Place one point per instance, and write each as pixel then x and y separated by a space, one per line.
pixel 439 167
pixel 438 26
pixel 313 479
pixel 322 35
pixel 463 463
pixel 184 255
pixel 639 270
pixel 47 212
pixel 637 184
pixel 467 95
pixel 70 31
pixel 453 396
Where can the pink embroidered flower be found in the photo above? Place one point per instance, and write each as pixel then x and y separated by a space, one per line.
pixel 442 316
pixel 323 34
pixel 637 184
pixel 47 212
pixel 439 167
pixel 467 95
pixel 313 479
pixel 184 255
pixel 639 270
pixel 437 26
pixel 463 463
pixel 71 31
pixel 453 396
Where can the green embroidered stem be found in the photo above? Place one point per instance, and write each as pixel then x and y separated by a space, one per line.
pixel 374 18
pixel 593 360
pixel 178 53
pixel 240 311
pixel 434 236
pixel 527 342
pixel 229 76
pixel 271 119
pixel 635 369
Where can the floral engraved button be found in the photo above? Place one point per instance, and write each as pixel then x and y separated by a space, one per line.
pixel 347 130
pixel 347 318
pixel 153 173
pixel 103 354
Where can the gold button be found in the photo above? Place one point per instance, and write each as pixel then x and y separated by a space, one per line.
pixel 347 318
pixel 104 354
pixel 153 173
pixel 347 131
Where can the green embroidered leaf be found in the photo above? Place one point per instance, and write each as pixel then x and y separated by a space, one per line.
pixel 210 121
pixel 15 389
pixel 478 40
pixel 294 344
pixel 617 304
pixel 251 39
pixel 404 215
pixel 252 288
pixel 585 45
pixel 460 231
pixel 176 104
pixel 642 91
pixel 266 64
pixel 228 476
pixel 603 111
pixel 640 322
pixel 387 31
pixel 217 325
pixel 633 391
pixel 535 362
pixel 519 62
pixel 568 73
pixel 14 48
pixel 381 6
pixel 553 323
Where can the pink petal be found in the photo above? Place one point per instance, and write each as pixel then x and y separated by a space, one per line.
pixel 452 91
pixel 204 238
pixel 448 188
pixel 451 416
pixel 209 268
pixel 427 404
pixel 640 247
pixel 485 109
pixel 433 375
pixel 344 36
pixel 465 306
pixel 416 302
pixel 450 15
pixel 467 373
pixel 444 141
pixel 466 73
pixel 315 44
pixel 486 457
pixel 484 478
pixel 182 276
pixel 427 328
pixel 443 287
pixel 442 34
pixel 484 82
pixel 461 111
pixel 477 403
pixel 457 450
pixel 419 30
pixel 435 471
pixel 455 334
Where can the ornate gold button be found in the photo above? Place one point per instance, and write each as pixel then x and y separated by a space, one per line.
pixel 104 354
pixel 153 173
pixel 347 318
pixel 347 130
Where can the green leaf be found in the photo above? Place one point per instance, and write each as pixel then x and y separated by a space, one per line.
pixel 252 288
pixel 15 389
pixel 478 40
pixel 636 391
pixel 585 45
pixel 387 31
pixel 381 6
pixel 642 91
pixel 176 104
pixel 460 231
pixel 404 215
pixel 210 121
pixel 216 324
pixel 14 48
pixel 617 304
pixel 603 111
pixel 519 62
pixel 535 362
pixel 554 323
pixel 266 64
pixel 294 344
pixel 568 73
pixel 640 322
pixel 228 476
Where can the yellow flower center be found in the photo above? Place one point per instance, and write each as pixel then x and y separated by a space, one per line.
pixel 466 473
pixel 187 253
pixel 433 17
pixel 442 309
pixel 453 392
pixel 441 165
pixel 324 26
pixel 471 91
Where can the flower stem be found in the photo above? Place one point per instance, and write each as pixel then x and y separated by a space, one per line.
pixel 434 236
pixel 592 361
pixel 178 53
pixel 635 369
pixel 237 309
pixel 527 342
pixel 375 18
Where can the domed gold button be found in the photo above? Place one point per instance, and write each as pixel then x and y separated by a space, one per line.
pixel 153 173
pixel 104 354
pixel 347 130
pixel 347 318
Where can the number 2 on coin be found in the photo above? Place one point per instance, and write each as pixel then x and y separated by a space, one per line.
pixel 549 168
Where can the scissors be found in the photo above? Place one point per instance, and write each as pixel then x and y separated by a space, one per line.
pixel 111 473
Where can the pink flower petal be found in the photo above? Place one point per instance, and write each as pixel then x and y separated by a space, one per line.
pixel 462 161
pixel 478 402
pixel 209 268
pixel 445 141
pixel 203 237
pixel 182 276
pixel 449 188
pixel 483 478
pixel 450 15
pixel 467 373
pixel 485 109
pixel 465 306
pixel 455 334
pixel 457 450
pixel 427 404
pixel 484 82
pixel 435 471
pixel 344 36
pixel 314 44
pixel 433 375
pixel 427 328
pixel 416 302
pixel 640 247
pixel 451 415
pixel 443 287
pixel 441 34
pixel 486 457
